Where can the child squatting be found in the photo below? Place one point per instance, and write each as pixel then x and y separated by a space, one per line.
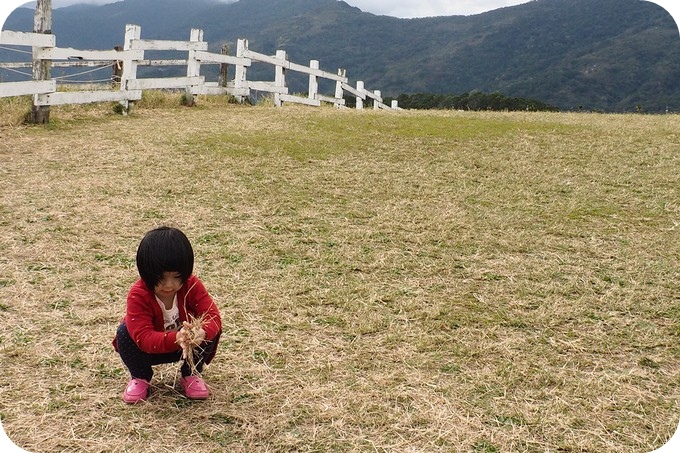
pixel 160 306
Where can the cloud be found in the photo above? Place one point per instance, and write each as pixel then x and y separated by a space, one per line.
pixel 425 8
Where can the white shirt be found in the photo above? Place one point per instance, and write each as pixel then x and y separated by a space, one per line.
pixel 170 317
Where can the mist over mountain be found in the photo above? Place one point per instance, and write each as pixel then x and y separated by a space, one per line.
pixel 609 55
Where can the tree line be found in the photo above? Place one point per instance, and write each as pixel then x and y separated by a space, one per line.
pixel 474 100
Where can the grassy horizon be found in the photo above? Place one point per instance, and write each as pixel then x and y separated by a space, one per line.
pixel 388 281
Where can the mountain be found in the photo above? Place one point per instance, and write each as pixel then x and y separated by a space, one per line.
pixel 609 55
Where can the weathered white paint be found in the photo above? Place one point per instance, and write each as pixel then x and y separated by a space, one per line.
pixel 162 62
pixel 66 53
pixel 11 89
pixel 158 44
pixel 212 88
pixel 375 95
pixel 17 38
pixel 378 98
pixel 280 76
pixel 247 53
pixel 340 102
pixel 331 99
pixel 132 33
pixel 85 97
pixel 350 89
pixel 313 88
pixel 193 67
pixel 61 64
pixel 206 57
pixel 240 82
pixel 164 83
pixel 361 99
pixel 314 71
pixel 269 87
pixel 299 100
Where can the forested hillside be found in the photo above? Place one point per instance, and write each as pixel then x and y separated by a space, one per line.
pixel 610 55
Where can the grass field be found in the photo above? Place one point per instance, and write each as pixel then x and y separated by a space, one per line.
pixel 388 281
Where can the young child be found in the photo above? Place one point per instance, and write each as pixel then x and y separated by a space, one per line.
pixel 155 327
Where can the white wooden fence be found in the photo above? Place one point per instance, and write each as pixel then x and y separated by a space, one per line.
pixel 131 56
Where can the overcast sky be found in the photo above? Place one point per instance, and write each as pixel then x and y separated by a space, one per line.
pixel 423 8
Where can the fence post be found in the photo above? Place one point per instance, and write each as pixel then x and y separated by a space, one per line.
pixel 377 102
pixel 132 33
pixel 360 89
pixel 193 68
pixel 117 69
pixel 338 88
pixel 42 23
pixel 240 82
pixel 224 68
pixel 280 78
pixel 313 80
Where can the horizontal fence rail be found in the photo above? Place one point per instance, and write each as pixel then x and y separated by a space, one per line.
pixel 126 87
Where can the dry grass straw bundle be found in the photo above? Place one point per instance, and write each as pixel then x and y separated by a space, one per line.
pixel 192 329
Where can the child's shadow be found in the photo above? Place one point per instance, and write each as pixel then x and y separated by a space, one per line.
pixel 165 386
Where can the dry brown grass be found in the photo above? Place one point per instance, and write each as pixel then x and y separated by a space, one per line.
pixel 192 329
pixel 388 282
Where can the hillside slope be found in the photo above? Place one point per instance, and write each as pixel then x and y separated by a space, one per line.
pixel 613 55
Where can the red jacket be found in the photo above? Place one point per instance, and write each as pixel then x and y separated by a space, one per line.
pixel 144 317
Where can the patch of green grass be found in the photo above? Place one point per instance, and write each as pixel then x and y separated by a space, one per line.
pixel 484 446
pixel 63 304
pixel 105 372
pixel 450 368
pixel 603 211
pixel 330 321
pixel 648 363
pixel 510 421
pixel 116 259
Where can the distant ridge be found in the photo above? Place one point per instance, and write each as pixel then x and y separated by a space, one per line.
pixel 609 55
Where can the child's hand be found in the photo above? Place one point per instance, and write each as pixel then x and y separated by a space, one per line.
pixel 195 336
pixel 188 338
pixel 182 340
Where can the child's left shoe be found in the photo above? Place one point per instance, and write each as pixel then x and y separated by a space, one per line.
pixel 194 387
pixel 137 390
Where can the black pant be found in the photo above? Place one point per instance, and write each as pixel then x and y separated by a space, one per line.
pixel 139 362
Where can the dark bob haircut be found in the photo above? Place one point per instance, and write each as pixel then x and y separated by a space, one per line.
pixel 164 249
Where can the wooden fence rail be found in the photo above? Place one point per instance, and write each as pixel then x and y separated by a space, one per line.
pixel 128 87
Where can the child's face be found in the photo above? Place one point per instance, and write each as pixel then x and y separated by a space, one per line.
pixel 169 284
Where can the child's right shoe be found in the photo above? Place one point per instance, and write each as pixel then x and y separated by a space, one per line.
pixel 137 390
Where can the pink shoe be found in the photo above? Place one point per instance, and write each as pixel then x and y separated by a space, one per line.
pixel 136 391
pixel 194 388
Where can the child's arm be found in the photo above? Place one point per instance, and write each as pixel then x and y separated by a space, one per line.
pixel 198 303
pixel 139 320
